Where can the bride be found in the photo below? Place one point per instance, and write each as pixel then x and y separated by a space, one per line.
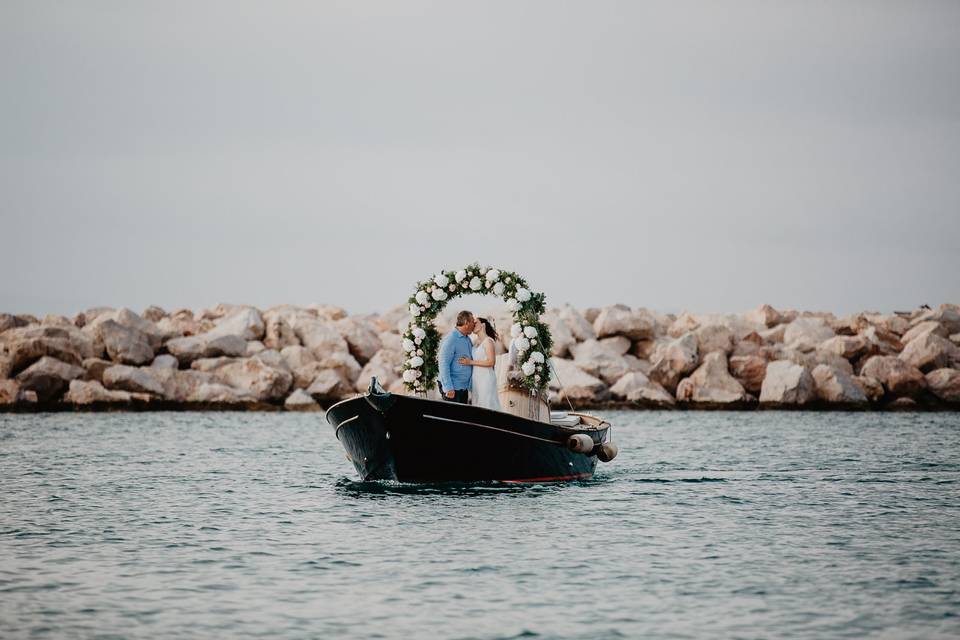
pixel 484 387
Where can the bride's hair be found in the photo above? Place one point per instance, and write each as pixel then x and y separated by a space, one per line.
pixel 488 327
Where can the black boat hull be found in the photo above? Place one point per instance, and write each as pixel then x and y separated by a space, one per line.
pixel 412 439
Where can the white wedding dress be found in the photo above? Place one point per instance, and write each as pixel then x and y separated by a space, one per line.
pixel 484 386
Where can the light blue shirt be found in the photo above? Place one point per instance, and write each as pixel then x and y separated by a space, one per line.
pixel 454 375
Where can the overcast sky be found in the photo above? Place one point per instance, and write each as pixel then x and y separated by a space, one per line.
pixel 676 155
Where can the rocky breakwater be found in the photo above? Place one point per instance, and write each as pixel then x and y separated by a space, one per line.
pixel 306 358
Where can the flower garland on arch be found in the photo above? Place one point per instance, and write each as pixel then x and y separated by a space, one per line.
pixel 530 336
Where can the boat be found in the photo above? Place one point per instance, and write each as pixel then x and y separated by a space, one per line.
pixel 391 436
pixel 412 437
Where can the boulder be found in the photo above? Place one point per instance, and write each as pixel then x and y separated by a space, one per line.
pixel 385 365
pixel 245 322
pixel 279 334
pixel 774 335
pixel 563 338
pixel 345 365
pixel 9 391
pixel 271 358
pixel 806 333
pixel 48 377
pixel 636 387
pixel 362 340
pixel 714 337
pixel 636 364
pixel 871 387
pixel 955 338
pixel 297 356
pixel 836 386
pixel 619 344
pixel 254 347
pixel 577 385
pixel 929 351
pixel 136 379
pixel 320 337
pixel 685 323
pixel 922 328
pixel 95 368
pixel 182 323
pixel 26 345
pixel 621 320
pixel 577 323
pixel 947 315
pixel 899 379
pixel 56 320
pixel 749 372
pixel 129 320
pixel 124 344
pixel 153 314
pixel 674 361
pixel 88 392
pixel 943 383
pixel 165 361
pixel 328 311
pixel 391 341
pixel 764 315
pixel 787 383
pixel 712 384
pixel 6 366
pixel 190 348
pixel 329 386
pixel 300 400
pixel 216 393
pixel 849 347
pixel 590 314
pixel 181 385
pixel 7 321
pixel 264 383
pixel 599 359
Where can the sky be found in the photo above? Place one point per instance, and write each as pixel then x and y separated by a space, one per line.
pixel 698 155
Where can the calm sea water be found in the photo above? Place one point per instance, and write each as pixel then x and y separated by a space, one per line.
pixel 745 525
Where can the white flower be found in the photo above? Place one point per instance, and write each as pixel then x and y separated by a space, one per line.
pixel 493 275
pixel 528 368
pixel 498 288
pixel 523 295
pixel 414 310
pixel 507 280
pixel 441 280
pixel 416 362
pixel 452 287
pixel 536 356
pixel 460 275
pixel 408 345
pixel 530 332
pixel 419 373
pixel 521 343
pixel 533 341
pixel 483 271
pixel 475 284
pixel 439 294
pixel 423 297
pixel 516 330
pixel 512 304
pixel 419 333
pixel 409 375
pixel 489 284
pixel 419 352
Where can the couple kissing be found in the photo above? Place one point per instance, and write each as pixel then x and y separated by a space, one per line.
pixel 467 359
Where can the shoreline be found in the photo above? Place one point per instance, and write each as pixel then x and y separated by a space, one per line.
pixel 292 358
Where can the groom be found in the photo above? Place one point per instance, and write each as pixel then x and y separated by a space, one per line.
pixel 455 377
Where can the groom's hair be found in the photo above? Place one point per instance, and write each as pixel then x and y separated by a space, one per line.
pixel 463 318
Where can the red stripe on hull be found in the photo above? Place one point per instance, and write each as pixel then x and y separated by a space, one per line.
pixel 573 476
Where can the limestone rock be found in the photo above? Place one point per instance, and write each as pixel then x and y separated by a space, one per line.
pixel 55 320
pixel 300 400
pixel 345 365
pixel 806 333
pixel 7 321
pixel 245 322
pixel 678 358
pixel 328 311
pixel 95 368
pixel 712 383
pixel 136 379
pixel 144 329
pixel 714 337
pixel 636 364
pixel 601 360
pixel 563 338
pixel 271 358
pixel 899 379
pixel 930 351
pixel 944 383
pixel 787 383
pixel 6 365
pixel 262 382
pixel 279 334
pixel 87 392
pixel 165 361
pixel 9 392
pixel 871 387
pixel 947 315
pixel 590 314
pixel 153 313
pixel 48 377
pixel 320 337
pixel 579 325
pixel 385 365
pixel 215 393
pixel 578 385
pixel 190 348
pixel 391 341
pixel 182 323
pixel 297 356
pixel 880 342
pixel 836 386
pixel 181 385
pixel 775 335
pixel 619 344
pixel 329 386
pixel 764 315
pixel 361 339
pixel 749 372
pixel 125 344
pixel 685 323
pixel 921 328
pixel 254 347
pixel 26 345
pixel 636 387
pixel 848 347
pixel 620 320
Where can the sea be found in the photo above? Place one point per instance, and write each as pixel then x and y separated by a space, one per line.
pixel 254 525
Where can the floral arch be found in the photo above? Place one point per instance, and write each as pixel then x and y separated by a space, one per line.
pixel 421 340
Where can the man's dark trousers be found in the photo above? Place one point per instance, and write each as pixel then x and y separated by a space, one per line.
pixel 459 395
